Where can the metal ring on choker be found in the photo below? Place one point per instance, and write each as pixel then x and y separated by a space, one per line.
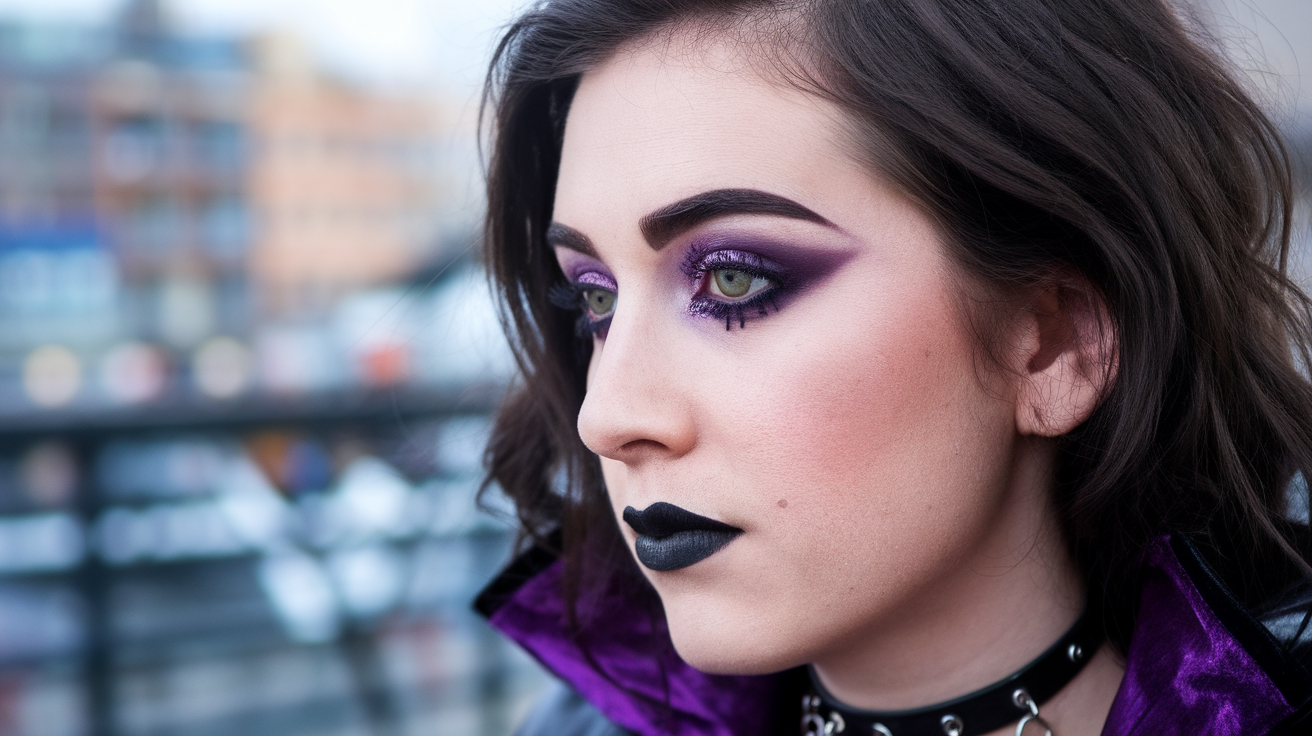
pixel 1014 699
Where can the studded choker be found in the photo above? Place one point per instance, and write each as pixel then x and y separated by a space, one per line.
pixel 1014 699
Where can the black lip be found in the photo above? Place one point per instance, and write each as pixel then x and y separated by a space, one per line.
pixel 671 538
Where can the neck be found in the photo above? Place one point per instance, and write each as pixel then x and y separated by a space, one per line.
pixel 985 616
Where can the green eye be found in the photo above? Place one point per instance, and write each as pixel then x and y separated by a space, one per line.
pixel 601 302
pixel 732 283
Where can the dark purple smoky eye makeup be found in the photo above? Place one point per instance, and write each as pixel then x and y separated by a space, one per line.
pixel 734 285
pixel 739 278
pixel 593 295
pixel 734 279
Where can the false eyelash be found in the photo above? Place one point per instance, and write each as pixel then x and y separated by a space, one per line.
pixel 697 266
pixel 758 306
pixel 569 295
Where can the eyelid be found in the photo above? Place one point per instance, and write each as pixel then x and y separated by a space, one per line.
pixel 745 261
pixel 575 266
pixel 594 279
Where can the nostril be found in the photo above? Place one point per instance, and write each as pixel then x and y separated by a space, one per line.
pixel 642 447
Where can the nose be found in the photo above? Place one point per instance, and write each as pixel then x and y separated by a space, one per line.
pixel 637 405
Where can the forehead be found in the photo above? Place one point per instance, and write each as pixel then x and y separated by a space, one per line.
pixel 665 120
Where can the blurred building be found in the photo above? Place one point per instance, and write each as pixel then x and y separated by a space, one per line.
pixel 343 184
pixel 244 385
pixel 159 190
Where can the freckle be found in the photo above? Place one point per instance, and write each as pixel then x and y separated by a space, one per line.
pixel 783 503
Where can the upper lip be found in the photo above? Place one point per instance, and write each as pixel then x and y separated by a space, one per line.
pixel 662 519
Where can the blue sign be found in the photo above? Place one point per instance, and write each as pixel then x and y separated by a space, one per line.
pixel 50 237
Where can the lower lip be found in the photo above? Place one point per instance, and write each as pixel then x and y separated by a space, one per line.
pixel 681 549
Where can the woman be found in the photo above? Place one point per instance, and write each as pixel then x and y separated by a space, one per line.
pixel 897 367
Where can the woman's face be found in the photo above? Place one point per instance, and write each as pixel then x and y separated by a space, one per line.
pixel 783 353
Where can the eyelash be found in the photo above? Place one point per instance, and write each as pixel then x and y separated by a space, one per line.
pixel 700 267
pixel 697 267
pixel 569 295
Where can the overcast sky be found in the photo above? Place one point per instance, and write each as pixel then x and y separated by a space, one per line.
pixel 448 41
pixel 1272 40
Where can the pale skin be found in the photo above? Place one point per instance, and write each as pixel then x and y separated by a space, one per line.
pixel 894 490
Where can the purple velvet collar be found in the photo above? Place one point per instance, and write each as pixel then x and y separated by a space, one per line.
pixel 1186 673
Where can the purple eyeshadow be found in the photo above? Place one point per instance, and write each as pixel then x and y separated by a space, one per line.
pixel 583 269
pixel 798 263
pixel 792 269
pixel 595 279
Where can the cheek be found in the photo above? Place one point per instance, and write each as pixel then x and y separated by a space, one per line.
pixel 871 379
pixel 873 427
pixel 862 456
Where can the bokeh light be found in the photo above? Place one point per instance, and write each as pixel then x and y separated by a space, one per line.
pixel 52 375
pixel 223 367
pixel 133 372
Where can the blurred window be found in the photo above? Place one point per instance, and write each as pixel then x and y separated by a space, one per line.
pixel 69 128
pixel 155 225
pixel 134 148
pixel 218 145
pixel 54 282
pixel 26 109
pixel 226 228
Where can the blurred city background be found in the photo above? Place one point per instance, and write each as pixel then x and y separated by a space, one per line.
pixel 247 361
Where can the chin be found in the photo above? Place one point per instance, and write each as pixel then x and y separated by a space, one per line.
pixel 718 642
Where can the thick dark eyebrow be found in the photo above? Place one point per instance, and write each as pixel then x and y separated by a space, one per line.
pixel 670 221
pixel 564 236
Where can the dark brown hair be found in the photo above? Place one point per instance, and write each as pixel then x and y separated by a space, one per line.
pixel 1098 137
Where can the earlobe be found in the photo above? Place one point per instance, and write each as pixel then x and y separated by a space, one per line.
pixel 1069 358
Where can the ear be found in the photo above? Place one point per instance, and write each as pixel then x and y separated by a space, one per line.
pixel 1068 357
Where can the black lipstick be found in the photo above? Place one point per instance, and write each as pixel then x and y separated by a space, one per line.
pixel 672 538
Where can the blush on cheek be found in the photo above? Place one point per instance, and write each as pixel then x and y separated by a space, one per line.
pixel 873 416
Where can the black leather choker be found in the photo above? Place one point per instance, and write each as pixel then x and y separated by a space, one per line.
pixel 1014 699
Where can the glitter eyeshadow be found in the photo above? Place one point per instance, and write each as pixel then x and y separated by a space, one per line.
pixel 791 269
pixel 595 279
